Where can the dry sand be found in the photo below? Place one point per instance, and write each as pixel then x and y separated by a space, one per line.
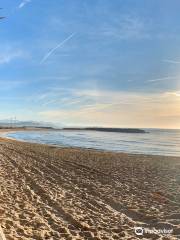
pixel 52 193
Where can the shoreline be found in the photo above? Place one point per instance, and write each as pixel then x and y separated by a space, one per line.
pixel 4 132
pixel 62 193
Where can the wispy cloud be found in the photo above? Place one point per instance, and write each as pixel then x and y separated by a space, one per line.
pixel 171 61
pixel 55 48
pixel 162 79
pixel 10 55
pixel 65 98
pixel 125 27
pixel 106 108
pixel 174 93
pixel 23 3
pixel 56 78
pixel 7 85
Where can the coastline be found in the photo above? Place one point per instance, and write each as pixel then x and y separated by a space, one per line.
pixel 70 193
pixel 4 132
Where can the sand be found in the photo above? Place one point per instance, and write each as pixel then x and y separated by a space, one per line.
pixel 52 193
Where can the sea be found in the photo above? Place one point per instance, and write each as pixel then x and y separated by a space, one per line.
pixel 154 141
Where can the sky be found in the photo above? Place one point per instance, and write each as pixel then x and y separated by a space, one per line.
pixel 91 62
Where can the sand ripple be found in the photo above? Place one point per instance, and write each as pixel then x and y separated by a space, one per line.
pixel 51 193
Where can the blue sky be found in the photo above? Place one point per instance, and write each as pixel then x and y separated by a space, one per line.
pixel 86 62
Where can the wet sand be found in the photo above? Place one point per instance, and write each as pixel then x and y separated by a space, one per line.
pixel 52 193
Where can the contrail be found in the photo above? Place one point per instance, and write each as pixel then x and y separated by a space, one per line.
pixel 58 46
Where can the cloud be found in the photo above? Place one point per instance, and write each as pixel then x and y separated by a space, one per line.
pixel 174 93
pixel 124 28
pixel 162 79
pixel 23 3
pixel 56 78
pixel 55 48
pixel 7 85
pixel 66 97
pixel 9 55
pixel 107 108
pixel 171 61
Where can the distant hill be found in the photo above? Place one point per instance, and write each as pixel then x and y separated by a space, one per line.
pixel 12 123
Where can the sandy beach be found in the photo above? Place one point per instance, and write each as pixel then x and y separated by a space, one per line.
pixel 53 193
